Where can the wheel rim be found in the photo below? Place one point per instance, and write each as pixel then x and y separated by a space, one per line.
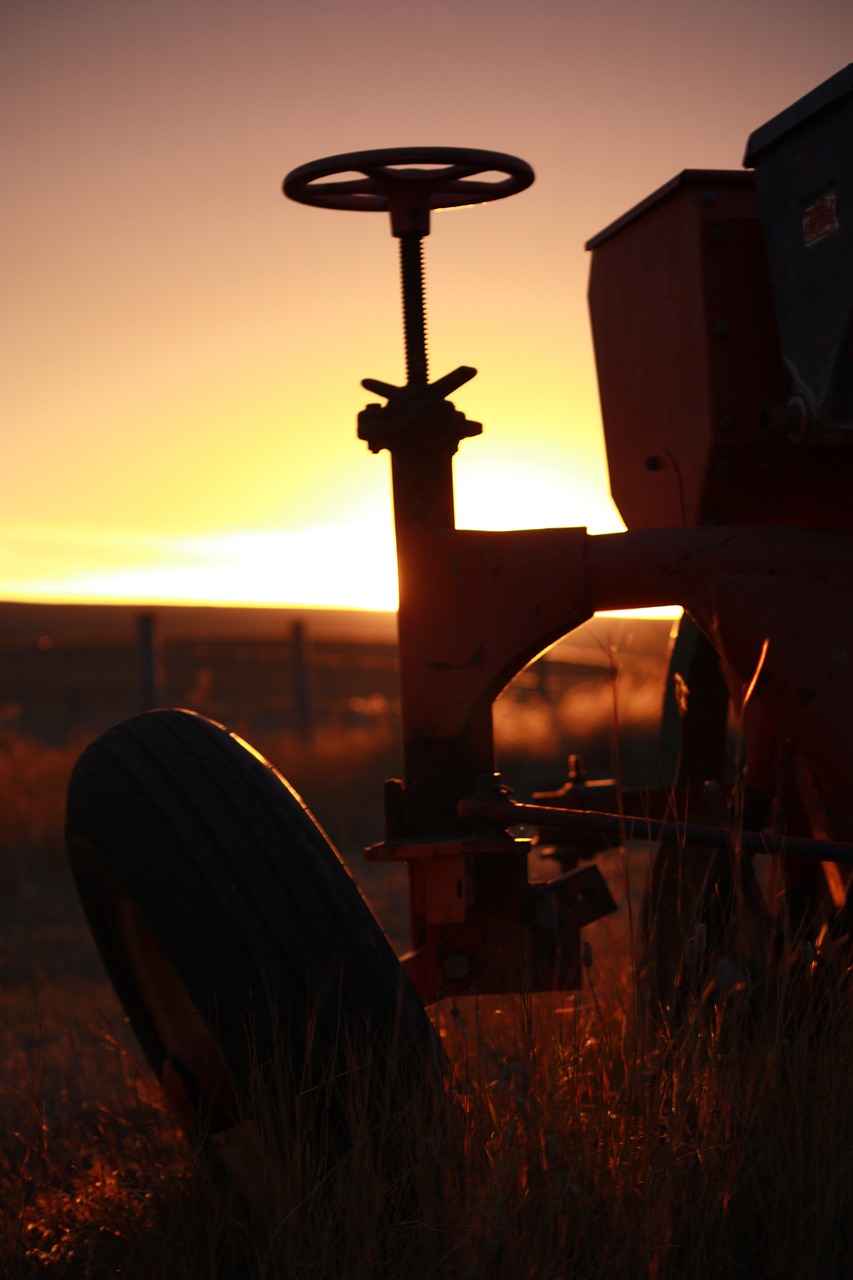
pixel 176 1019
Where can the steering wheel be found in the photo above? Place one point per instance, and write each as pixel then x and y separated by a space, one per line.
pixel 407 182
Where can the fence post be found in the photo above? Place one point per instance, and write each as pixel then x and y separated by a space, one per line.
pixel 149 661
pixel 299 669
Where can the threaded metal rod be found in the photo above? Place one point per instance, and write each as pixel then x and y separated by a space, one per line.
pixel 414 307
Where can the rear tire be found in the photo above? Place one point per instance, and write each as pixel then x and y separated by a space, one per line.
pixel 236 940
pixel 688 901
pixel 717 920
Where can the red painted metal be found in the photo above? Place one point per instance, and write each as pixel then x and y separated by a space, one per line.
pixel 728 518
pixel 692 381
pixel 475 608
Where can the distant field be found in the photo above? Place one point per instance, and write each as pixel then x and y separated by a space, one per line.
pixel 67 672
pixel 23 623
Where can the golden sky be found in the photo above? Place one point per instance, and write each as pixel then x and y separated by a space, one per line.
pixel 183 347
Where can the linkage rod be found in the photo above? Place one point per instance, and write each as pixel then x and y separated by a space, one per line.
pixel 509 813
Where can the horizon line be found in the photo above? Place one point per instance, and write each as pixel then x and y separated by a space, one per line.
pixel 135 602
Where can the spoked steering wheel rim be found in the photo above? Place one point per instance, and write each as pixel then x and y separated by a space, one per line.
pixel 450 180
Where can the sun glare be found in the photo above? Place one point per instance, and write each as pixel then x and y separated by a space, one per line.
pixel 349 564
pixel 508 493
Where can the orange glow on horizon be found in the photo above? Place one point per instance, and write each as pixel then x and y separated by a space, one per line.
pixel 183 368
pixel 348 565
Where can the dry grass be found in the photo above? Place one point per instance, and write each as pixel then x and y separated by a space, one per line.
pixel 569 1142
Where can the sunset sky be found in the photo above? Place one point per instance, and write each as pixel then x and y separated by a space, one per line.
pixel 183 347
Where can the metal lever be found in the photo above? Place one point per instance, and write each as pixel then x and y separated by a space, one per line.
pixel 438 390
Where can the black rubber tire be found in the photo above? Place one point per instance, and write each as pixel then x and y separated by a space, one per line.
pixel 220 907
pixel 690 892
pixel 714 920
